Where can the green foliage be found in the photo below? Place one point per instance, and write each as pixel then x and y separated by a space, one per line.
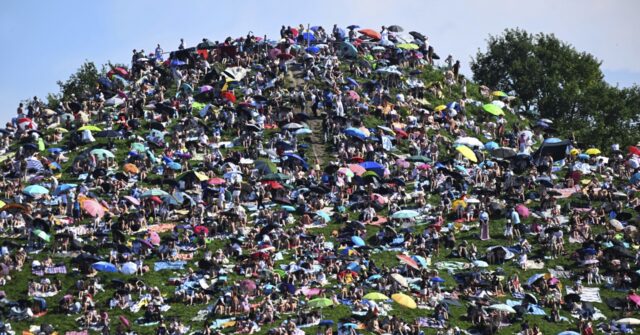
pixel 80 83
pixel 554 80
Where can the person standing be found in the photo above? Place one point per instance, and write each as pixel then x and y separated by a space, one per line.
pixel 484 226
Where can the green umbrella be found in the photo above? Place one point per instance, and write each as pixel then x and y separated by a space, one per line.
pixel 404 214
pixel 408 46
pixel 275 176
pixel 375 296
pixel 370 174
pixel 320 303
pixel 492 109
pixel 154 192
pixel 418 158
pixel 139 147
pixel 265 166
pixel 42 235
pixel 102 154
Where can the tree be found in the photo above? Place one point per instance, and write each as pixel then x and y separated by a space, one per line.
pixel 553 80
pixel 81 83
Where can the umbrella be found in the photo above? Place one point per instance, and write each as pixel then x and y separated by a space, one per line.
pixel 408 261
pixel 355 132
pixel 370 33
pixel 375 296
pixel 395 28
pixel 492 109
pixel 405 214
pixel 358 241
pixel 89 127
pixel 33 190
pixel 437 280
pixel 568 332
pixel 93 208
pixel 469 141
pixel 503 308
pixel 593 152
pixel 41 234
pixel 63 188
pixel 499 94
pixel 104 267
pixel 400 279
pixel 491 145
pixel 522 210
pixel 320 303
pixel 248 285
pixel 132 200
pixel 629 321
pixel 480 264
pixel 404 300
pixel 467 153
pixel 503 153
pixel 102 154
pixel 408 46
pixel 129 268
pixel 131 168
pixel 154 192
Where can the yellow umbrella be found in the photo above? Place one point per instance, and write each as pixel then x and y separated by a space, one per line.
pixel 375 296
pixel 457 203
pixel 89 127
pixel 593 152
pixel 62 130
pixel 408 46
pixel 574 152
pixel 404 300
pixel 440 108
pixel 2 203
pixel 499 94
pixel 467 153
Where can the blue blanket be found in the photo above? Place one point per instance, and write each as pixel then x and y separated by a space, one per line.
pixel 177 265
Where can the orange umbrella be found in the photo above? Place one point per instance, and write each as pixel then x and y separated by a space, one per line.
pixel 357 169
pixel 130 168
pixel 370 33
pixel 408 260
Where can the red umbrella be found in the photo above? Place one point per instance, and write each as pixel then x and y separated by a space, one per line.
pixel 357 159
pixel 424 167
pixel 295 32
pixel 156 199
pixel 634 150
pixel 273 184
pixel 408 260
pixel 25 123
pixel 229 96
pixel 201 230
pixel 370 33
pixel 216 181
pixel 93 208
pixel 401 133
pixel 522 210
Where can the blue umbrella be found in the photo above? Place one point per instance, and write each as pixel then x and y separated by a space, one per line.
pixel 177 62
pixel 326 323
pixel 315 28
pixel 104 267
pixel 287 287
pixel 105 82
pixel 358 241
pixel 289 208
pixel 420 260
pixel 634 179
pixel 374 277
pixel 355 132
pixel 300 159
pixel 373 166
pixel 583 156
pixel 352 81
pixel 353 266
pixel 552 140
pixel 312 49
pixel 63 188
pixel 534 278
pixel 341 33
pixel 308 36
pixel 437 280
pixel 353 26
pixel 54 150
pixel 33 190
pixel 491 145
pixel 174 166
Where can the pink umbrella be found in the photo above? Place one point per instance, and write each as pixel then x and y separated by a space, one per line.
pixel 379 199
pixel 424 167
pixel 353 95
pixel 273 53
pixel 345 171
pixel 522 210
pixel 206 88
pixel 154 238
pixel 310 292
pixel 132 200
pixel 93 208
pixel 408 260
pixel 216 181
pixel 357 169
pixel 124 321
pixel 403 164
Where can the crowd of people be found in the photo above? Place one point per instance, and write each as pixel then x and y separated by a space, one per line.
pixel 260 186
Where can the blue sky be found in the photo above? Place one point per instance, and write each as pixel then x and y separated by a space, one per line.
pixel 46 41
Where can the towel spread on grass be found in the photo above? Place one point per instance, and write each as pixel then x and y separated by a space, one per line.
pixel 162 227
pixel 50 270
pixel 561 274
pixel 531 309
pixel 177 265
pixel 429 323
pixel 589 294
pixel 537 265
pixel 450 265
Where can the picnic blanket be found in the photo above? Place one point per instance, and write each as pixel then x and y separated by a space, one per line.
pixel 50 270
pixel 560 273
pixel 184 257
pixel 176 265
pixel 590 294
pixel 161 228
pixel 566 192
pixel 531 309
pixel 450 265
pixel 82 332
pixel 430 323
pixel 535 264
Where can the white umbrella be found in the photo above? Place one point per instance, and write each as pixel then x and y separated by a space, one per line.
pixel 503 308
pixel 400 279
pixel 469 141
pixel 629 321
pixel 129 268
